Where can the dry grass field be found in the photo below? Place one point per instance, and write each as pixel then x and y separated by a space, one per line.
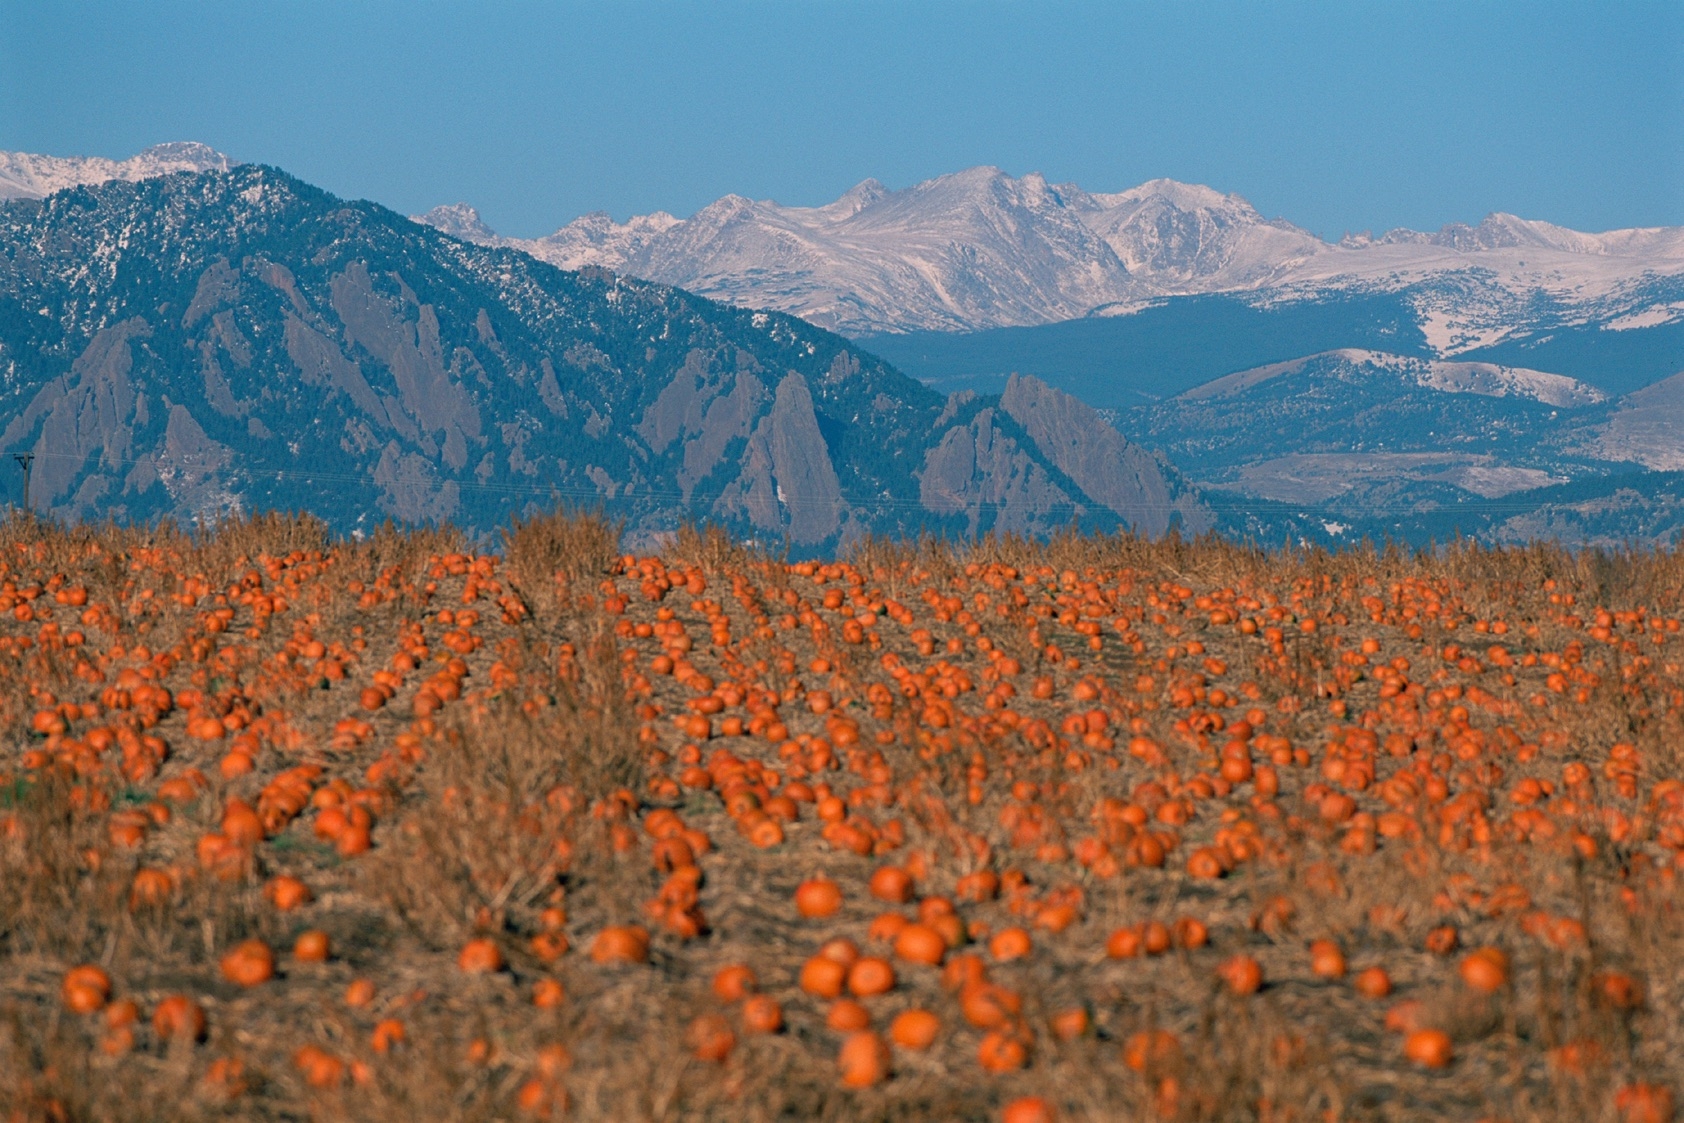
pixel 293 828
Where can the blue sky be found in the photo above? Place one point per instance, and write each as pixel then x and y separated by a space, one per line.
pixel 1338 116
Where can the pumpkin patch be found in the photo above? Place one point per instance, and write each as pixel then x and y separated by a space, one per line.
pixel 1092 829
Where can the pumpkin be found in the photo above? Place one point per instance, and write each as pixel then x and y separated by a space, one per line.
pixel 621 945
pixel 870 975
pixel 1373 982
pixel 734 982
pixel 85 989
pixel 845 1016
pixel 1485 970
pixel 312 946
pixel 179 1018
pixel 762 1014
pixel 1327 961
pixel 914 1029
pixel 920 943
pixel 1002 1051
pixel 892 884
pixel 1242 974
pixel 287 893
pixel 823 976
pixel 1429 1048
pixel 388 1033
pixel 1028 1109
pixel 710 1038
pixel 863 1060
pixel 248 963
pixel 480 957
pixel 1009 944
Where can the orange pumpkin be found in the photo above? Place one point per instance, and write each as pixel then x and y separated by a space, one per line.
pixel 915 1029
pixel 1373 982
pixel 863 1060
pixel 823 977
pixel 846 1016
pixel 1327 961
pixel 920 943
pixel 1242 974
pixel 1429 1048
pixel 621 944
pixel 892 884
pixel 312 946
pixel 287 893
pixel 1485 970
pixel 733 983
pixel 248 963
pixel 871 975
pixel 1009 944
pixel 480 957
pixel 1028 1109
pixel 710 1038
pixel 179 1018
pixel 1002 1051
pixel 762 1014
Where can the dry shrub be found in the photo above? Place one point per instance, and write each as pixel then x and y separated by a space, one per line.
pixel 57 897
pixel 715 551
pixel 554 557
pixel 502 786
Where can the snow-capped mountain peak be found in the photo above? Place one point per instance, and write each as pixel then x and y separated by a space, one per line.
pixel 979 248
pixel 459 220
pixel 26 175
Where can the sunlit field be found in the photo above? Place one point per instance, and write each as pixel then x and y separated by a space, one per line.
pixel 1100 829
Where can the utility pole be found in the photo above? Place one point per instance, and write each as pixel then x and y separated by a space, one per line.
pixel 25 459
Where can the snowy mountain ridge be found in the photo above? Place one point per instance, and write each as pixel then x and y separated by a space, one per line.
pixel 979 249
pixel 24 175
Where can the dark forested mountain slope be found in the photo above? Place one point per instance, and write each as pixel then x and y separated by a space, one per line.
pixel 199 343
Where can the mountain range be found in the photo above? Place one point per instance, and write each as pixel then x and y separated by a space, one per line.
pixel 182 335
pixel 196 343
pixel 980 249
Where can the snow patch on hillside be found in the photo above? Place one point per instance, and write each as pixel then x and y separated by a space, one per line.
pixel 1485 379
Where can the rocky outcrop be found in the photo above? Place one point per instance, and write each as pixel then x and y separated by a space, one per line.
pixel 320 362
pixel 410 490
pixel 413 355
pixel 977 471
pixel 91 410
pixel 1140 488
pixel 193 468
pixel 705 408
pixel 786 482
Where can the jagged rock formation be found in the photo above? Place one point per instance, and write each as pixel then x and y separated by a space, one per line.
pixel 1137 486
pixel 980 472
